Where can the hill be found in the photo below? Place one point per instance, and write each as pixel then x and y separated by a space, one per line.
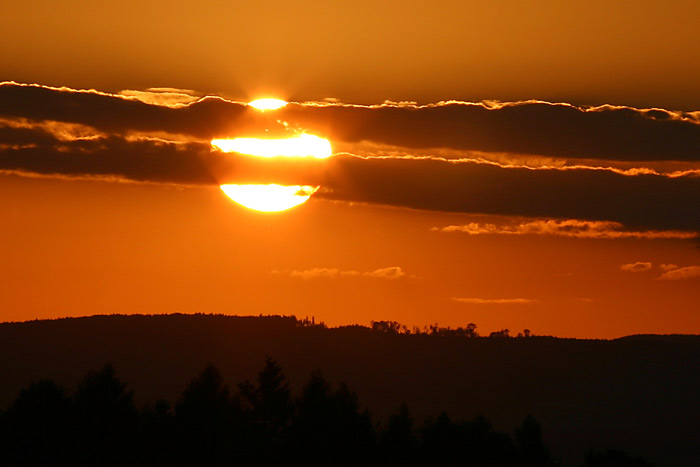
pixel 638 393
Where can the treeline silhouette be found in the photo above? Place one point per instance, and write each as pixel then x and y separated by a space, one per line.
pixel 395 327
pixel 260 423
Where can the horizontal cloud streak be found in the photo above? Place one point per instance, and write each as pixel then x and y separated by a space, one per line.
pixel 642 201
pixel 494 301
pixel 390 273
pixel 205 118
pixel 688 272
pixel 531 127
pixel 639 266
pixel 141 160
pixel 163 96
pixel 565 228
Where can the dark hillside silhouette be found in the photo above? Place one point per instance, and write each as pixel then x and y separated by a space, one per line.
pixel 636 394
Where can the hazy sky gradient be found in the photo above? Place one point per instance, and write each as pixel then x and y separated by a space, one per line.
pixel 641 53
pixel 558 189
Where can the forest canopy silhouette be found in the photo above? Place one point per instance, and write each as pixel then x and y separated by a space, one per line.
pixel 260 422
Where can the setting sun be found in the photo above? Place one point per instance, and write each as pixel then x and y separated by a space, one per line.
pixel 469 212
pixel 269 198
pixel 267 104
pixel 298 146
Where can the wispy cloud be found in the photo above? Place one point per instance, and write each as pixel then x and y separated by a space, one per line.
pixel 494 301
pixel 566 228
pixel 639 266
pixel 688 272
pixel 390 273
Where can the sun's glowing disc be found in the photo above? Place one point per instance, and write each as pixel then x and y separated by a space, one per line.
pixel 269 198
pixel 297 146
pixel 267 104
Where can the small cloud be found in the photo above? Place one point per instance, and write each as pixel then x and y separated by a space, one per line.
pixel 390 273
pixel 319 272
pixel 639 266
pixel 668 267
pixel 688 272
pixel 494 301
pixel 410 104
pixel 169 97
pixel 393 272
pixel 566 228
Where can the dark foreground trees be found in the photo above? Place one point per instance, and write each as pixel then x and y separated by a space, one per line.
pixel 261 423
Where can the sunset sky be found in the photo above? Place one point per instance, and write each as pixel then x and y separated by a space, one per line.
pixel 510 164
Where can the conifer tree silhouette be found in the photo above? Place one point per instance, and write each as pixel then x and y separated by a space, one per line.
pixel 329 428
pixel 267 407
pixel 533 451
pixel 36 424
pixel 398 442
pixel 205 417
pixel 104 419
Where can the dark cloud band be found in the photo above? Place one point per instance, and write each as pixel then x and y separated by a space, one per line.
pixel 640 201
pixel 538 128
pixel 30 143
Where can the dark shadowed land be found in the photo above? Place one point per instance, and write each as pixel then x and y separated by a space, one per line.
pixel 638 394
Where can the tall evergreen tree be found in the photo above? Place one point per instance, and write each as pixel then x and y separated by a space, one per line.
pixel 268 409
pixel 104 420
pixel 329 428
pixel 206 420
pixel 35 426
pixel 533 452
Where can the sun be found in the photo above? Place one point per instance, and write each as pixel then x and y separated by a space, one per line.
pixel 272 197
pixel 269 198
pixel 303 145
pixel 267 104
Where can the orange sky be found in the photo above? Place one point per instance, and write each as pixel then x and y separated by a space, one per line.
pixel 635 52
pixel 571 219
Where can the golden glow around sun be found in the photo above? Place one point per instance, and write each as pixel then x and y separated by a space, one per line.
pixel 298 146
pixel 267 104
pixel 269 198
